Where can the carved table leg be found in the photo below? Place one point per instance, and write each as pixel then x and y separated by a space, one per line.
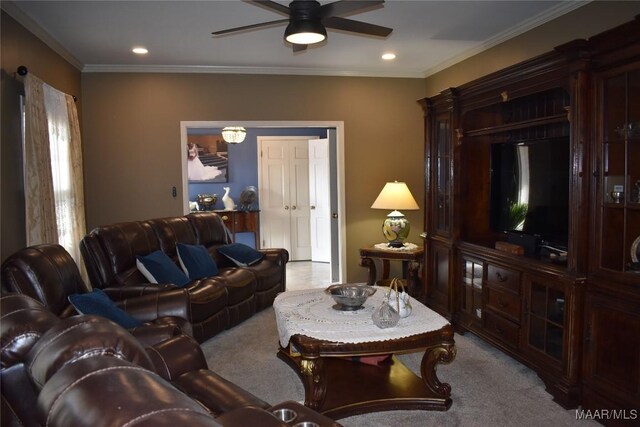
pixel 315 384
pixel 441 353
pixel 371 265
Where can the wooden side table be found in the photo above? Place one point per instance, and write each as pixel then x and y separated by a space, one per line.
pixel 412 266
pixel 242 222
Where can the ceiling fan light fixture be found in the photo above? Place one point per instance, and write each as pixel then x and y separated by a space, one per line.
pixel 305 32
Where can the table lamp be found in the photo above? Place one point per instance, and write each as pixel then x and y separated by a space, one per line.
pixel 395 195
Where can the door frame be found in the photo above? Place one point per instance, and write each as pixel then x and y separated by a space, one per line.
pixel 340 166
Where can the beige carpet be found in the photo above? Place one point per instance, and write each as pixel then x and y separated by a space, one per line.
pixel 488 387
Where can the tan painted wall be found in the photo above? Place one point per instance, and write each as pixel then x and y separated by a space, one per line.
pixel 20 47
pixel 581 23
pixel 132 138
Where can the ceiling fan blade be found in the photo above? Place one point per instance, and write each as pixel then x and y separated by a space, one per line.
pixel 343 7
pixel 299 47
pixel 277 7
pixel 337 23
pixel 249 27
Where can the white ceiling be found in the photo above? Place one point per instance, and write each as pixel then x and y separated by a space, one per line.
pixel 427 35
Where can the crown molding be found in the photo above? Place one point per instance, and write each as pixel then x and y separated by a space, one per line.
pixel 16 13
pixel 562 8
pixel 219 69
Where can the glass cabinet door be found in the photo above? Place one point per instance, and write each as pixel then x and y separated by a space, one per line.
pixel 545 312
pixel 619 192
pixel 443 168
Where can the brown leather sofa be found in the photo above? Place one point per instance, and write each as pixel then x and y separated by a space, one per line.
pixel 215 303
pixel 86 370
pixel 48 274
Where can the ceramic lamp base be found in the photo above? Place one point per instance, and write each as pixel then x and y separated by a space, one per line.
pixel 396 229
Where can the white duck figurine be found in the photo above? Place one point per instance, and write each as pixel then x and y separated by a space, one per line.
pixel 229 204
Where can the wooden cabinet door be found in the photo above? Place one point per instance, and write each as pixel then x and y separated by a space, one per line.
pixel 438 287
pixel 612 352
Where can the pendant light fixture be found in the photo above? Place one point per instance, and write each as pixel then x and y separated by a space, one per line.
pixel 234 134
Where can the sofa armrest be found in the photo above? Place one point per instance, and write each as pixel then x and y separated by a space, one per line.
pixel 176 356
pixel 276 255
pixel 173 302
pixel 150 334
pixel 249 416
pixel 216 393
pixel 305 414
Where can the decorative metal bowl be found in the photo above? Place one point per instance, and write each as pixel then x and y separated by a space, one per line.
pixel 350 297
pixel 206 201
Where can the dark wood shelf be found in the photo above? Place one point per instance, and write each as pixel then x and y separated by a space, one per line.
pixel 558 118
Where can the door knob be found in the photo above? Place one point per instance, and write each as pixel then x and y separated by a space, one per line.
pixel 286 208
pixel 293 208
pixel 334 216
pixel 312 207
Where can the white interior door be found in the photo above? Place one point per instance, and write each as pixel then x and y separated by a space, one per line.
pixel 275 227
pixel 319 198
pixel 299 199
pixel 284 195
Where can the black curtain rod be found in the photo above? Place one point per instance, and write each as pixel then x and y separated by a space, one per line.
pixel 23 71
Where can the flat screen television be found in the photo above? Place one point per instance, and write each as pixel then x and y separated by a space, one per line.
pixel 530 188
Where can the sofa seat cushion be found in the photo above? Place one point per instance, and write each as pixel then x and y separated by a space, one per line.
pixel 206 297
pixel 216 393
pixel 240 284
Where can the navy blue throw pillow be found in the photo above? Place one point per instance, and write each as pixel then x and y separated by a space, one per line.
pixel 157 267
pixel 99 303
pixel 240 254
pixel 196 261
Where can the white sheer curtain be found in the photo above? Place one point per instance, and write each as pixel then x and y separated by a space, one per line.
pixel 54 191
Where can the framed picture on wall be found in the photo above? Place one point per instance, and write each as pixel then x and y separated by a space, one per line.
pixel 207 159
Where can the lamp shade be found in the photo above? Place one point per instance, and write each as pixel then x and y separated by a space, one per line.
pixel 305 31
pixel 395 196
pixel 234 134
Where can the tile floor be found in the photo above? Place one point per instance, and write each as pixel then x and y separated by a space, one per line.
pixel 307 274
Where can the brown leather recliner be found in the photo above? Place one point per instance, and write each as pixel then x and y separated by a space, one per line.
pixel 86 370
pixel 48 274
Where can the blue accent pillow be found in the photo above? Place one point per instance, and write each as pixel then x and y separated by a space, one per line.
pixel 157 267
pixel 196 261
pixel 241 255
pixel 99 303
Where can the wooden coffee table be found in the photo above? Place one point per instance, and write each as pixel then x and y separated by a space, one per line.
pixel 339 387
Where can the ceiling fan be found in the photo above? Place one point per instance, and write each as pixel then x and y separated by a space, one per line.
pixel 308 20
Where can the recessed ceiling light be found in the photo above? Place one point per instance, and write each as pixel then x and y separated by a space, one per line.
pixel 388 56
pixel 140 50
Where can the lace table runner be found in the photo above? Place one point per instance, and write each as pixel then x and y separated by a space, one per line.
pixel 309 312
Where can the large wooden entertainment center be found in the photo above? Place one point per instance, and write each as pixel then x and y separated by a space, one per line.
pixel 574 318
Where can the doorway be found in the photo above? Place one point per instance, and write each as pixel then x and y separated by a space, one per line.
pixel 283 185
pixel 335 131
